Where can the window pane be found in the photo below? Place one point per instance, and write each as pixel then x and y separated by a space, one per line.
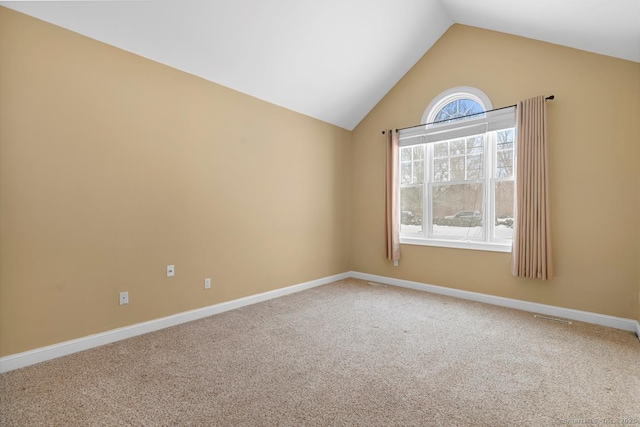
pixel 411 209
pixel 458 109
pixel 405 173
pixel 457 168
pixel 457 210
pixel 441 149
pixel 418 152
pixel 405 154
pixel 504 209
pixel 441 170
pixel 504 163
pixel 505 139
pixel 505 154
pixel 457 147
pixel 475 145
pixel 474 166
pixel 468 106
pixel 418 171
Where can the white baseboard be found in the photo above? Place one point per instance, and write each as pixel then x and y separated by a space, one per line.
pixel 31 357
pixel 549 310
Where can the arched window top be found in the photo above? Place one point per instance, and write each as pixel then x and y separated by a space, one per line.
pixel 455 104
pixel 458 108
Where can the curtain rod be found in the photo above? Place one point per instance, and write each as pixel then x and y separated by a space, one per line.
pixel 548 98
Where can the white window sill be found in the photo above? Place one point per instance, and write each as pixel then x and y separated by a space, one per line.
pixel 460 244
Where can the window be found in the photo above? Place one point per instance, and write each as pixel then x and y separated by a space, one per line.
pixel 457 174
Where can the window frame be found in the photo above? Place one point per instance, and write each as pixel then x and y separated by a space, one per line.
pixel 488 241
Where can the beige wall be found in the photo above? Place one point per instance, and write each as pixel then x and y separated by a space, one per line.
pixel 113 166
pixel 594 138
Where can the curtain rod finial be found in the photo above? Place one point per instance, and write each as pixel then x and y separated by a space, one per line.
pixel 550 97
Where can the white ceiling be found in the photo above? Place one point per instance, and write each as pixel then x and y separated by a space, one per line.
pixel 329 59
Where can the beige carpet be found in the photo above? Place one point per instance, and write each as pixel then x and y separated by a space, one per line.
pixel 344 354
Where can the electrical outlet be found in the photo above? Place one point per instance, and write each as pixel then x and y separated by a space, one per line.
pixel 124 298
pixel 171 270
pixel 207 283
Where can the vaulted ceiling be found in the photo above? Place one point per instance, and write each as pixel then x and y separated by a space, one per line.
pixel 330 59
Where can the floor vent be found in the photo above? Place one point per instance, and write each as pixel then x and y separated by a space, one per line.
pixel 377 284
pixel 554 319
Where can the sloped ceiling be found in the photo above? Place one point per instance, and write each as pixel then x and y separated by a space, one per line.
pixel 330 59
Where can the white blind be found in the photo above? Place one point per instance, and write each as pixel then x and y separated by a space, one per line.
pixel 503 118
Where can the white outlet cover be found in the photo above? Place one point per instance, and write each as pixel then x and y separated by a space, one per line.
pixel 124 298
pixel 207 283
pixel 171 270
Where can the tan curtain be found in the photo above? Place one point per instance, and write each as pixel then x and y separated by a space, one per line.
pixel 392 196
pixel 532 235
